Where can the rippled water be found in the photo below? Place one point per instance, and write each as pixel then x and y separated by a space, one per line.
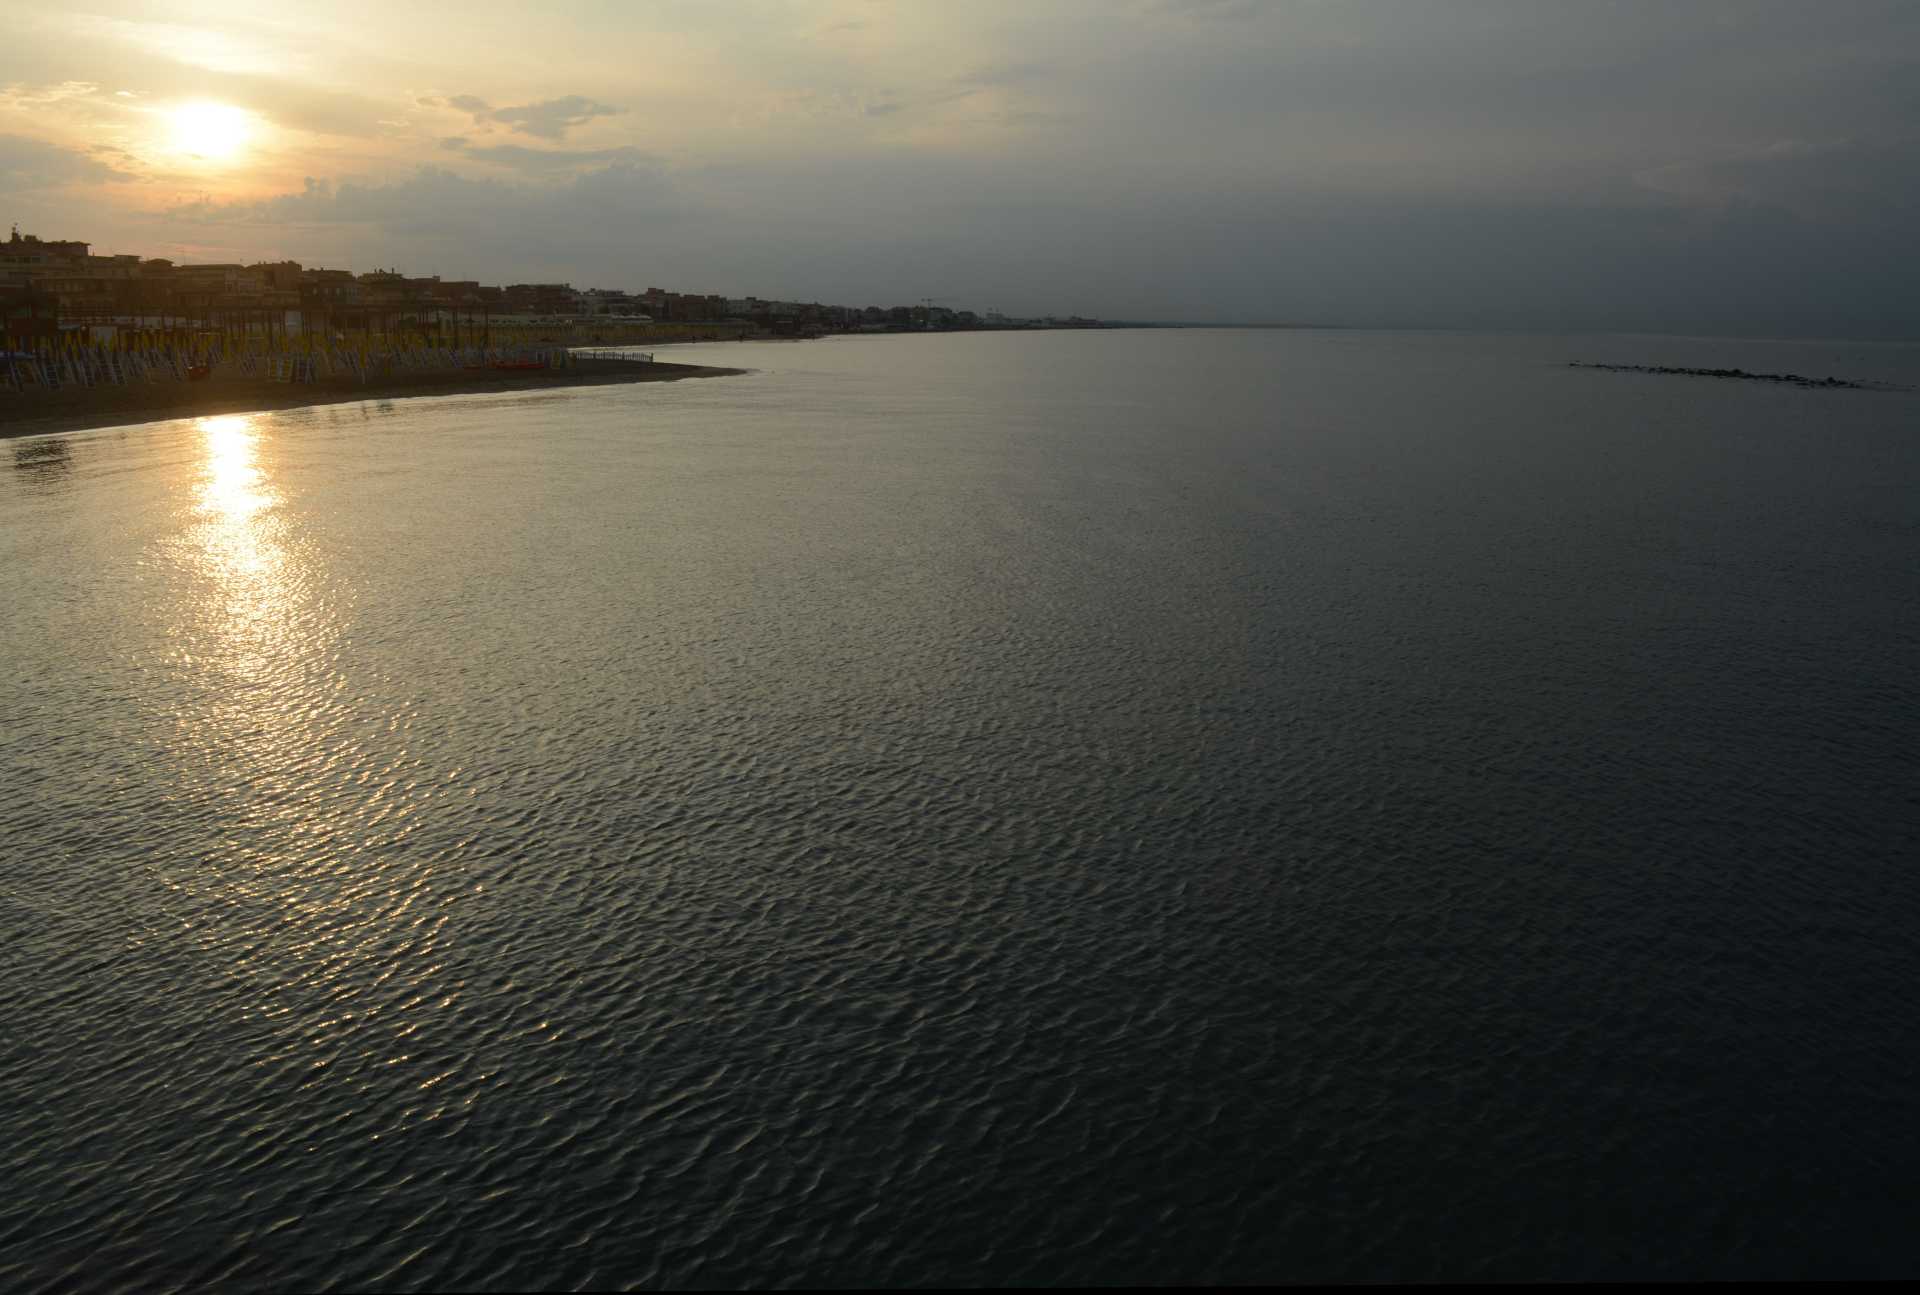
pixel 1089 808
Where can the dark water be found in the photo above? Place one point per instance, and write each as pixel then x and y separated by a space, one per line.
pixel 1145 807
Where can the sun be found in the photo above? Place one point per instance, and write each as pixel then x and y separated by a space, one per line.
pixel 214 132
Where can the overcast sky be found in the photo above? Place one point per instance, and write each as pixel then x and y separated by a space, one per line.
pixel 1684 165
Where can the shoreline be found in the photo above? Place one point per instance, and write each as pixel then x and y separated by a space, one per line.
pixel 78 409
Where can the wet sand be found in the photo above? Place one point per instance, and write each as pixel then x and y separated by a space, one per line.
pixel 37 413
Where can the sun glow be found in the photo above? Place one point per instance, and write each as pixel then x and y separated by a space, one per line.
pixel 213 132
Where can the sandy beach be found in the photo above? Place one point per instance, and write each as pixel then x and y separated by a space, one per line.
pixel 37 413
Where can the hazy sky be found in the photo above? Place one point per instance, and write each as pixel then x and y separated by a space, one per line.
pixel 1694 165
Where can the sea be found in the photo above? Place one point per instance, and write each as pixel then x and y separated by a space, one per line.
pixel 1064 808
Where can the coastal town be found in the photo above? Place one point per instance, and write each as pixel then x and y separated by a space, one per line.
pixel 90 340
pixel 50 288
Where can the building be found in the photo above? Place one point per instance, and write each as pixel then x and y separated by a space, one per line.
pixel 24 256
pixel 280 276
pixel 66 276
pixel 543 299
pixel 61 279
pixel 610 301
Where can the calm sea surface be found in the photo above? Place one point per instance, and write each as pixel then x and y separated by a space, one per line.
pixel 1083 807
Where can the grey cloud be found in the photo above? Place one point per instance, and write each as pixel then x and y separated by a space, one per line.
pixel 1500 99
pixel 33 164
pixel 1273 252
pixel 548 119
pixel 1216 10
pixel 435 219
pixel 552 118
pixel 1009 72
pixel 544 161
pixel 884 230
pixel 1846 182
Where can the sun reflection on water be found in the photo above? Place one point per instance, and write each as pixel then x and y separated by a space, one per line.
pixel 240 545
pixel 234 484
pixel 314 901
